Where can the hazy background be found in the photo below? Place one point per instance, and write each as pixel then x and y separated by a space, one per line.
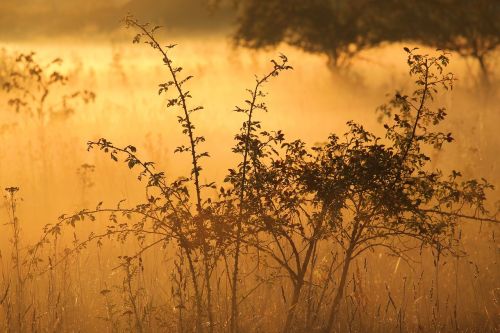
pixel 40 19
pixel 45 159
pixel 309 102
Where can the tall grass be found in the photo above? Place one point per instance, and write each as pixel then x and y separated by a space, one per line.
pixel 358 234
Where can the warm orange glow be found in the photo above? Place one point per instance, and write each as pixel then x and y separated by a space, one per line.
pixel 44 159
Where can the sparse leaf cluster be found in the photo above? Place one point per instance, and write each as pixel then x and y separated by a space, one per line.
pixel 30 87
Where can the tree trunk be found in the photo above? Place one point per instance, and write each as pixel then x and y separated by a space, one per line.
pixel 484 70
pixel 293 306
pixel 302 270
pixel 340 290
pixel 198 301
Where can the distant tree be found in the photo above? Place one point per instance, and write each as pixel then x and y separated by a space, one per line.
pixel 470 28
pixel 339 29
pixel 342 28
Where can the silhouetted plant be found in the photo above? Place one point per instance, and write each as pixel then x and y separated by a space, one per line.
pixel 245 142
pixel 85 172
pixel 30 86
pixel 17 257
pixel 361 191
pixel 181 100
pixel 285 201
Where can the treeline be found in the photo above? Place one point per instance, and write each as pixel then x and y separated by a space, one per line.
pixel 343 28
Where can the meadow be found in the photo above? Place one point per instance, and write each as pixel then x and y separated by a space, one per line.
pixel 265 246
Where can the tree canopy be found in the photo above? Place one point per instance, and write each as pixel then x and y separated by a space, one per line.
pixel 342 28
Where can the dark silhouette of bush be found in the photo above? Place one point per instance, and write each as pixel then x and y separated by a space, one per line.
pixel 284 203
